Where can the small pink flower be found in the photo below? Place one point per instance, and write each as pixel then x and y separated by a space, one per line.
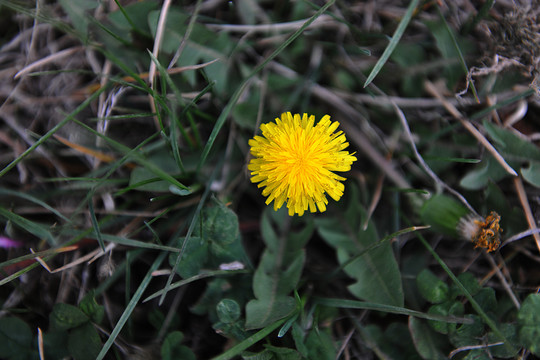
pixel 9 243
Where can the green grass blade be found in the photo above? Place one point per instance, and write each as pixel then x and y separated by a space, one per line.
pixel 131 306
pixel 253 339
pixel 30 226
pixel 95 224
pixel 355 304
pixel 195 278
pixel 18 273
pixel 34 200
pixel 393 42
pixel 460 54
pixel 236 95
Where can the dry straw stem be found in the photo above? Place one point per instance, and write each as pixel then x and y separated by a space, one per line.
pixel 155 51
pixel 527 209
pixel 422 163
pixel 497 269
pixel 48 59
pixel 430 87
pixel 321 21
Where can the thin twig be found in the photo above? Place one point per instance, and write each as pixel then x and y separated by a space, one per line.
pixel 527 209
pixel 506 286
pixel 422 163
pixel 470 127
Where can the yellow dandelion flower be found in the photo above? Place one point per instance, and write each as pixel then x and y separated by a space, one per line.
pixel 295 160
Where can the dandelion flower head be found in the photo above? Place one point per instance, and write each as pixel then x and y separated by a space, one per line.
pixel 484 233
pixel 295 159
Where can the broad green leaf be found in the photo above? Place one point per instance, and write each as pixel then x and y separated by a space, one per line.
pixel 228 311
pixel 55 344
pixel 486 299
pixel 320 345
pixel 172 349
pixel 488 170
pixel 469 281
pixel 501 351
pixel 195 257
pixel 91 308
pixel 375 270
pixel 531 174
pixel 214 242
pixel 133 18
pixel 468 334
pixel 84 342
pixel 427 342
pixel 144 179
pixel 448 308
pixel 66 316
pixel 511 144
pixel 431 287
pixel 529 323
pixel 78 11
pixel 15 337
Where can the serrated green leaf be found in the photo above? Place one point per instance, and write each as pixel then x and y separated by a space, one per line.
pixel 374 268
pixel 278 272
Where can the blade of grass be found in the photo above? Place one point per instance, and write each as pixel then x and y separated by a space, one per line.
pixel 19 273
pixel 356 304
pixel 253 339
pixel 93 218
pixel 236 95
pixel 138 158
pixel 195 278
pixel 458 50
pixel 131 306
pixel 187 237
pixel 30 226
pixel 393 42
pixel 34 200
